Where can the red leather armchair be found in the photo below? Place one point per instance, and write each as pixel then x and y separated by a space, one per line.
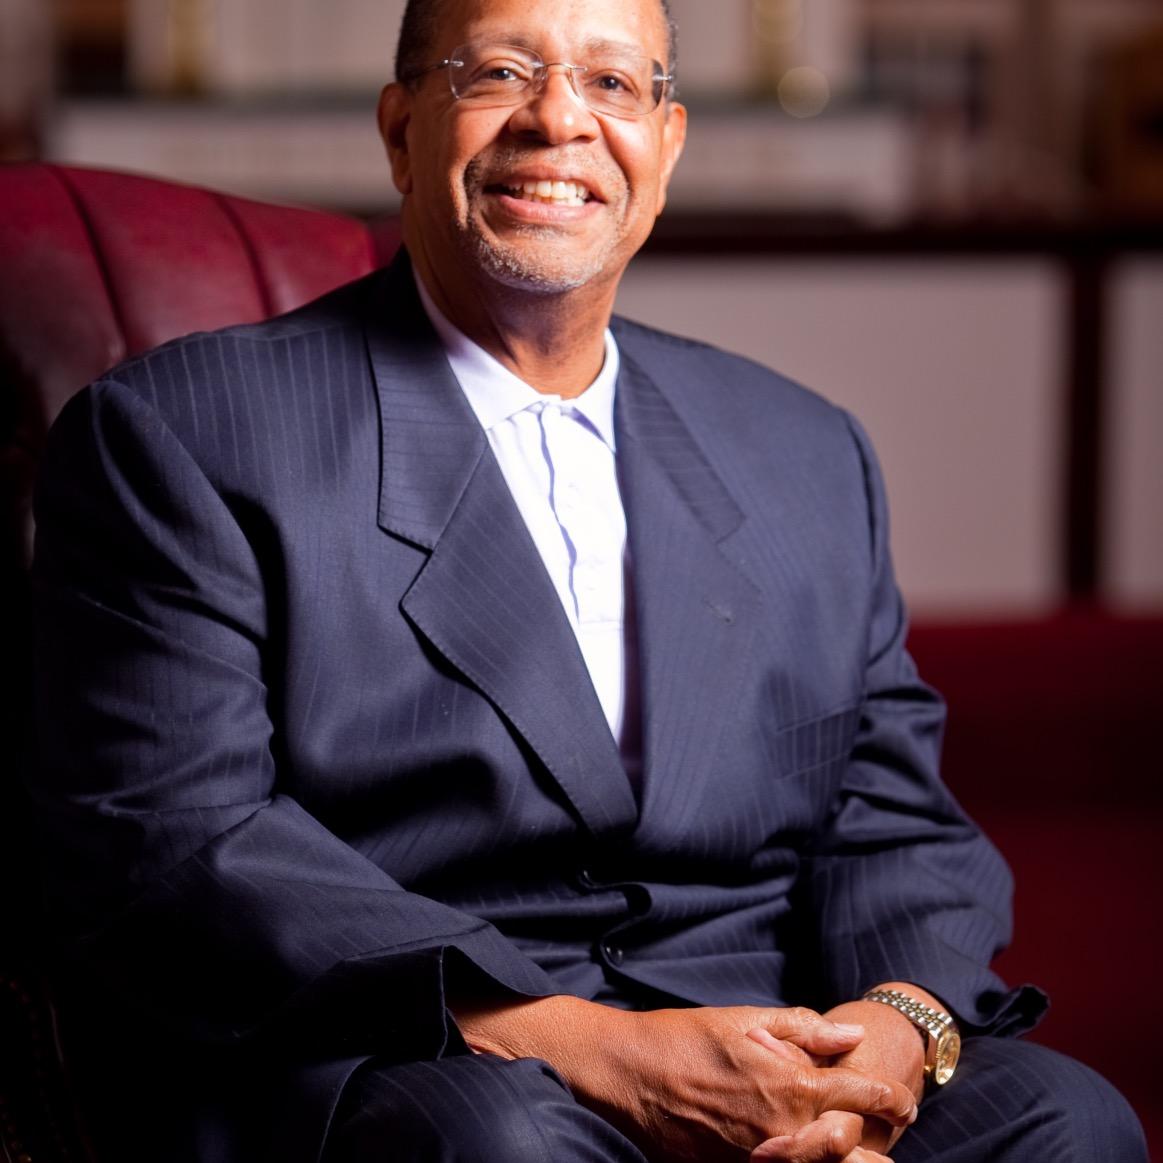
pixel 94 267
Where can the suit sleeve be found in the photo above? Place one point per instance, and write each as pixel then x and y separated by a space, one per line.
pixel 176 870
pixel 903 886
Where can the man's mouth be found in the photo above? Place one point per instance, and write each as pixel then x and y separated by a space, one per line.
pixel 548 193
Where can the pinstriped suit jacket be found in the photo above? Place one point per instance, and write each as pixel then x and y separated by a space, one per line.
pixel 317 738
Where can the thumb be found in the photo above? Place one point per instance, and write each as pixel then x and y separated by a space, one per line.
pixel 834 1135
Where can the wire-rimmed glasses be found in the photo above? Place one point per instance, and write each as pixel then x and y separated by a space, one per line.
pixel 608 82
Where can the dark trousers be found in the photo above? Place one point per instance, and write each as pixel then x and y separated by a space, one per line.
pixel 1011 1102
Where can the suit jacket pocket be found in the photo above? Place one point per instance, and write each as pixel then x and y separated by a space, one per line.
pixel 807 761
pixel 818 742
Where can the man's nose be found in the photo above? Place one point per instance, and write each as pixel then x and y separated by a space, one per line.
pixel 554 111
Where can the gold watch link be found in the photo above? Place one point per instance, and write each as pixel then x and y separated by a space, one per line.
pixel 942 1038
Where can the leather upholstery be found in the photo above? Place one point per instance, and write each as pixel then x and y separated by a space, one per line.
pixel 96 266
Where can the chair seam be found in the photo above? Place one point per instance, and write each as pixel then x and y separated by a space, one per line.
pixel 64 178
pixel 226 205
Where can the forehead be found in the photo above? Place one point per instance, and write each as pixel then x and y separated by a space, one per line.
pixel 544 23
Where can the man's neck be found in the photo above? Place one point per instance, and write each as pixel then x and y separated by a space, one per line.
pixel 554 342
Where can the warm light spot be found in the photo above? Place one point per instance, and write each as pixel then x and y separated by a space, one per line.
pixel 804 91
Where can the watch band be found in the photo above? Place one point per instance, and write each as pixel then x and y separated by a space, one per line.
pixel 942 1038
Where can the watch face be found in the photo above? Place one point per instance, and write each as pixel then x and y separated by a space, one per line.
pixel 948 1051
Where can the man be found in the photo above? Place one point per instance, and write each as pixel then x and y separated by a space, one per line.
pixel 483 727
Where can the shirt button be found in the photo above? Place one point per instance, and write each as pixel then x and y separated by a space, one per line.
pixel 613 953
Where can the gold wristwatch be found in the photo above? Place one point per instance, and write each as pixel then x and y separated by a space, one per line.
pixel 942 1039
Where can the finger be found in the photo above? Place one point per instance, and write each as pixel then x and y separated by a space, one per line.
pixel 863 1155
pixel 879 1136
pixel 778 1046
pixel 813 1032
pixel 840 1089
pixel 832 1138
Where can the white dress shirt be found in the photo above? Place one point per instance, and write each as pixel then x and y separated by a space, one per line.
pixel 558 459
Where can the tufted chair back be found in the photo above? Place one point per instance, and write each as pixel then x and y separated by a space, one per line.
pixel 94 267
pixel 97 266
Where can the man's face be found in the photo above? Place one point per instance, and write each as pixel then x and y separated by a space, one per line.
pixel 464 167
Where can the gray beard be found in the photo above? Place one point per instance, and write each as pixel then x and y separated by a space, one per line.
pixel 541 271
pixel 522 271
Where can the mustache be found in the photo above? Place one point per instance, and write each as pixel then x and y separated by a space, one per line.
pixel 483 171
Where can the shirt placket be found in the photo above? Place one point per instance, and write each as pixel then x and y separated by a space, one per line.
pixel 583 496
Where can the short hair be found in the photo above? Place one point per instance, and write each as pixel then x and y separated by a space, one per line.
pixel 418 34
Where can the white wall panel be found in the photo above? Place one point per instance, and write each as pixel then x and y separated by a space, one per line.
pixel 1134 446
pixel 954 368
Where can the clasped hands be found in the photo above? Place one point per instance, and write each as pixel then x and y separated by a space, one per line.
pixel 726 1084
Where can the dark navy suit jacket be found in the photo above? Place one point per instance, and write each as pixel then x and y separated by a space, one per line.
pixel 317 739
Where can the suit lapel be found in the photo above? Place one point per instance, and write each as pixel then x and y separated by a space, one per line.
pixel 696 611
pixel 483 599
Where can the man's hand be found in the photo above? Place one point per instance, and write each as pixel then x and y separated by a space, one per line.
pixel 691 1084
pixel 892 1048
pixel 835 1135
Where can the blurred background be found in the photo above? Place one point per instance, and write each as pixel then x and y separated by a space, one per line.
pixel 945 215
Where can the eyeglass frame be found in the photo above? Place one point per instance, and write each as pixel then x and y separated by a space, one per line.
pixel 541 76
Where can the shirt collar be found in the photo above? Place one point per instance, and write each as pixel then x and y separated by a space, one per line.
pixel 494 393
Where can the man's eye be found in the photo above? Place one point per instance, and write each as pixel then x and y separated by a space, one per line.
pixel 501 73
pixel 614 85
pixel 611 83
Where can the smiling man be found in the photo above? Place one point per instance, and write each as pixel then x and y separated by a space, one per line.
pixel 528 188
pixel 491 732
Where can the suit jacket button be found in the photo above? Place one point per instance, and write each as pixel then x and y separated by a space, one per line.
pixel 586 879
pixel 614 954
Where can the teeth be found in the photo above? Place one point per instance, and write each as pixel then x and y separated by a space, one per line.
pixel 553 193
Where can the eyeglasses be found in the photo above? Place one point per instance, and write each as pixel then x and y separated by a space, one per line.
pixel 496 75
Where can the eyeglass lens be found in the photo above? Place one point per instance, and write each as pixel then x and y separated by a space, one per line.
pixel 498 74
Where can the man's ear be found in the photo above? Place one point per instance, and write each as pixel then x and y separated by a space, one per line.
pixel 394 114
pixel 673 140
